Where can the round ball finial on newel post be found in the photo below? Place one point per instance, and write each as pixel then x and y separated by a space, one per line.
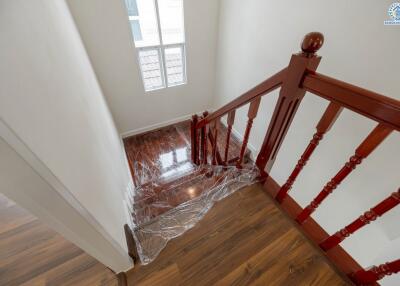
pixel 312 42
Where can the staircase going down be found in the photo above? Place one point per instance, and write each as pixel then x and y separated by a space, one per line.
pixel 172 193
pixel 182 172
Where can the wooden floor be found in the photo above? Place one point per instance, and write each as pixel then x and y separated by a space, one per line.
pixel 243 240
pixel 32 254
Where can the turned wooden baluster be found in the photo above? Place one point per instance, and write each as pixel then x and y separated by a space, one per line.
pixel 198 144
pixel 371 215
pixel 215 143
pixel 211 138
pixel 328 119
pixel 290 96
pixel 204 140
pixel 194 141
pixel 230 121
pixel 372 141
pixel 251 114
pixel 375 273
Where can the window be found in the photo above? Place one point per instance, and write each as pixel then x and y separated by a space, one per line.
pixel 158 30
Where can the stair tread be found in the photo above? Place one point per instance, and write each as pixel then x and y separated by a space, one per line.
pixel 151 155
pixel 185 189
pixel 171 193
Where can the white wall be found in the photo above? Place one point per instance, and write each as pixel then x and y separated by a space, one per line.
pixel 105 31
pixel 256 39
pixel 52 106
pixel 390 253
pixel 24 185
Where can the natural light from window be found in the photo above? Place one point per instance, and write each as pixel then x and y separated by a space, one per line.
pixel 158 31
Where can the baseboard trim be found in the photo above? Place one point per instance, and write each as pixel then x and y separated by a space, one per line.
pixel 157 125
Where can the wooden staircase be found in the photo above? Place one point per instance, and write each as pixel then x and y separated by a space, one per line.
pixel 294 81
pixel 212 144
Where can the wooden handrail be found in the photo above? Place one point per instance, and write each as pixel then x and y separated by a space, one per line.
pixel 378 107
pixel 263 88
pixel 294 81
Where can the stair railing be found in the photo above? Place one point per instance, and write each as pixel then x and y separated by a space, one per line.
pixel 206 127
pixel 294 81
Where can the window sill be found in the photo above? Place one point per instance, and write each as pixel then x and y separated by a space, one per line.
pixel 160 88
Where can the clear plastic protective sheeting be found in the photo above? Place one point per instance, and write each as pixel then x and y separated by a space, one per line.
pixel 159 157
pixel 164 211
pixel 171 193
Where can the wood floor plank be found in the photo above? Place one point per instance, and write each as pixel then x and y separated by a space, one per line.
pixel 14 242
pixel 32 254
pixel 12 216
pixel 81 269
pixel 165 277
pixel 243 240
pixel 252 268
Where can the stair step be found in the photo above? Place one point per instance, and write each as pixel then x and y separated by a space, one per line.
pixel 185 189
pixel 145 152
pixel 151 190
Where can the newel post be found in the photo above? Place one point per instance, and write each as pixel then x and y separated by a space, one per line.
pixel 290 96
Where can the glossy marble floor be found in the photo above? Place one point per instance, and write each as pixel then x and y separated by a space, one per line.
pixel 163 173
pixel 164 154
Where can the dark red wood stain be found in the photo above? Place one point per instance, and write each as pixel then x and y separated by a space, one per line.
pixel 370 143
pixel 328 118
pixel 371 215
pixel 295 80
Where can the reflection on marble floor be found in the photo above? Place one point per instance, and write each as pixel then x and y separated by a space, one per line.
pixel 171 193
pixel 164 154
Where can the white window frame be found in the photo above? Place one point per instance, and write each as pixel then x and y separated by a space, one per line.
pixel 161 52
pixel 158 48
